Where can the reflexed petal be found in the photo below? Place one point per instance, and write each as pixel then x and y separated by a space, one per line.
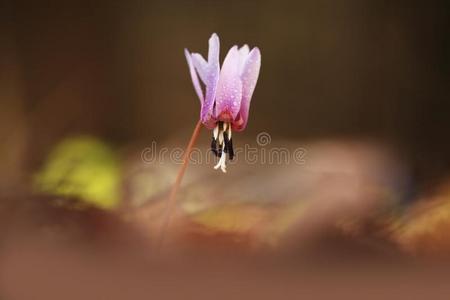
pixel 214 50
pixel 243 53
pixel 201 65
pixel 229 88
pixel 211 78
pixel 250 73
pixel 195 81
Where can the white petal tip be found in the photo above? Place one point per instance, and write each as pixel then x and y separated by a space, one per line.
pixel 255 51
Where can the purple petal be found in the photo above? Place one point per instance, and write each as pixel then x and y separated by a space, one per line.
pixel 249 76
pixel 211 78
pixel 194 77
pixel 229 88
pixel 201 65
pixel 243 53
pixel 214 49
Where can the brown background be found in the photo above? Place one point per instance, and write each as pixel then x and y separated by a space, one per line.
pixel 330 68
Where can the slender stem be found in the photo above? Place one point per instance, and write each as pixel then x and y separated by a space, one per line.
pixel 172 197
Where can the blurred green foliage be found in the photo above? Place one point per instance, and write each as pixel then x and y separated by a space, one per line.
pixel 84 168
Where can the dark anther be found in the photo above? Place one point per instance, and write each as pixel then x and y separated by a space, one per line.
pixel 230 149
pixel 228 145
pixel 226 141
pixel 214 147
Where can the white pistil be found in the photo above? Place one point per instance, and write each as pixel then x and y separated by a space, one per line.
pixel 221 141
pixel 222 160
pixel 216 131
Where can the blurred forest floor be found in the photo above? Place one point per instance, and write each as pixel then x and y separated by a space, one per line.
pixel 345 218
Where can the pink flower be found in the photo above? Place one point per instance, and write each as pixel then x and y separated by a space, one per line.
pixel 228 91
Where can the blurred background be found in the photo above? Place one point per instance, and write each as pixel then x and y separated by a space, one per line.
pixel 85 87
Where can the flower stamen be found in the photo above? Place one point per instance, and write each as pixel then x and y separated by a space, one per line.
pixel 221 162
pixel 221 144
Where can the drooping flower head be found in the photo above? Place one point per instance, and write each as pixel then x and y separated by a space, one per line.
pixel 225 100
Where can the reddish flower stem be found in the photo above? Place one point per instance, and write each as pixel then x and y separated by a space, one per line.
pixel 170 206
